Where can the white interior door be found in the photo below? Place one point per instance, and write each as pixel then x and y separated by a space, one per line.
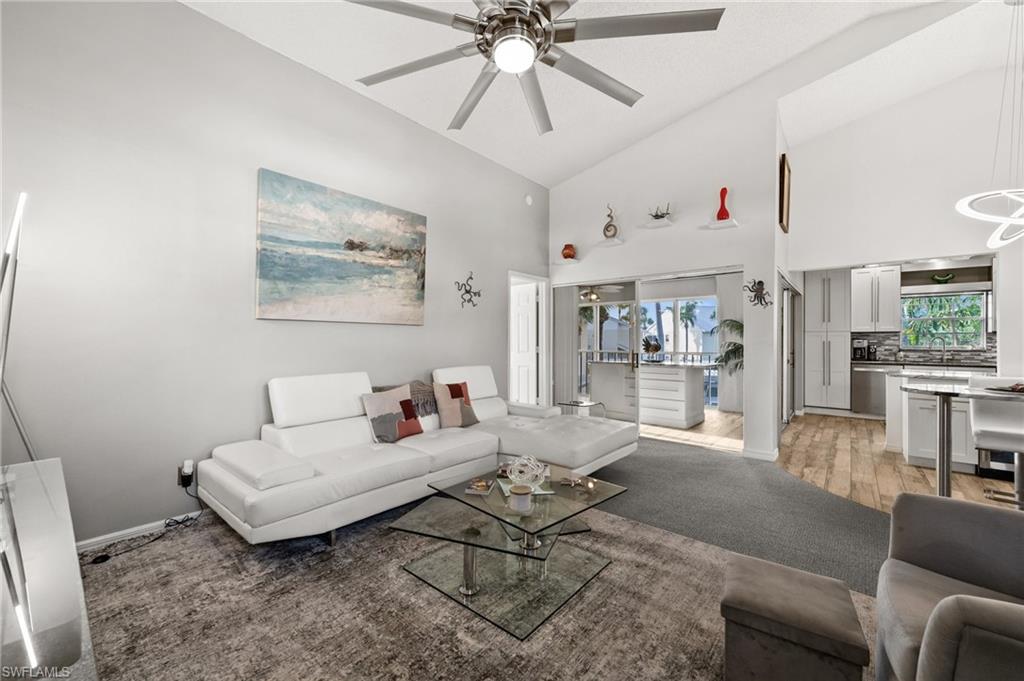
pixel 524 343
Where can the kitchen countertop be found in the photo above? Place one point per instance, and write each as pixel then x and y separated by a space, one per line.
pixel 886 362
pixel 935 376
pixel 658 364
pixel 960 390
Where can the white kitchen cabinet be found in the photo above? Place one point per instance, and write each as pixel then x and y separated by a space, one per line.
pixel 922 433
pixel 894 412
pixel 827 369
pixel 875 299
pixel 672 395
pixel 827 300
pixel 889 303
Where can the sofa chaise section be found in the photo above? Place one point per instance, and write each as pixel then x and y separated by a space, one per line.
pixel 581 443
pixel 317 468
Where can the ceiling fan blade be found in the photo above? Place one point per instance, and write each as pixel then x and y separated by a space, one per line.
pixel 560 60
pixel 463 23
pixel 476 93
pixel 556 8
pixel 568 30
pixel 535 98
pixel 467 50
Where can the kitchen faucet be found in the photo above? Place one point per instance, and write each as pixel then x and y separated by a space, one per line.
pixel 932 344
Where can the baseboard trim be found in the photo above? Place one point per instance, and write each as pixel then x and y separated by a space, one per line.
pixel 845 413
pixel 130 533
pixel 762 455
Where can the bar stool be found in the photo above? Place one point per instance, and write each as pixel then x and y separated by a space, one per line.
pixel 999 426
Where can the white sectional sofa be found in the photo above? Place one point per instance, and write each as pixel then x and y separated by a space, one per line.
pixel 316 467
pixel 582 443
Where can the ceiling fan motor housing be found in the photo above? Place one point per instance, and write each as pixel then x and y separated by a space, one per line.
pixel 516 21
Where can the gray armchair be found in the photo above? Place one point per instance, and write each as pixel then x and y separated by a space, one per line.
pixel 951 595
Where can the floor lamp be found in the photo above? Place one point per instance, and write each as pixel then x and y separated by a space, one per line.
pixel 9 263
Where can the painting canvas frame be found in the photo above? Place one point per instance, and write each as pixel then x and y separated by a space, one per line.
pixel 327 255
pixel 785 180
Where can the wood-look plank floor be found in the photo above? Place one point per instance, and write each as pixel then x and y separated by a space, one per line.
pixel 845 456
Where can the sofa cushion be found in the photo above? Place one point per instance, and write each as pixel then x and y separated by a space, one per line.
pixel 907 594
pixel 487 408
pixel 341 474
pixel 391 414
pixel 451 446
pixel 570 441
pixel 479 378
pixel 300 400
pixel 261 465
pixel 319 437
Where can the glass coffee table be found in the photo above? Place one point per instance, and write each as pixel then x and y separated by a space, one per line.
pixel 508 567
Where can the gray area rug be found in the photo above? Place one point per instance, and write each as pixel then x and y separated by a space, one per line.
pixel 202 603
pixel 751 507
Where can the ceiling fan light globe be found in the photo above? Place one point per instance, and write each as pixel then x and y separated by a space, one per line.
pixel 514 54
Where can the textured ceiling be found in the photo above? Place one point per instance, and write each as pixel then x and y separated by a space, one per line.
pixel 970 40
pixel 676 73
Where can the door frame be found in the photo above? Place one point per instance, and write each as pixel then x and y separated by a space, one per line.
pixel 544 327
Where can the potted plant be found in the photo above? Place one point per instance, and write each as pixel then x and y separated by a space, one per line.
pixel 731 356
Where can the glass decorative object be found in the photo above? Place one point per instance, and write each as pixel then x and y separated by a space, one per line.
pixel 526 470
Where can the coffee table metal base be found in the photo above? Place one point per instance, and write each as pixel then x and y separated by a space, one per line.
pixel 515 593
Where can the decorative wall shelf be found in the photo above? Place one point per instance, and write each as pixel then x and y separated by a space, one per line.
pixel 657 224
pixel 608 243
pixel 721 224
pixel 567 261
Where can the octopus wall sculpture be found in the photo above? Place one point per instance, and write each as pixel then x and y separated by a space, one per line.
pixel 469 294
pixel 759 295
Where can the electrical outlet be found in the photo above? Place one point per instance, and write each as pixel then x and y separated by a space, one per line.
pixel 185 473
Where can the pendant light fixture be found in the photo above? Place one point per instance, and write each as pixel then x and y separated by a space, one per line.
pixel 1005 207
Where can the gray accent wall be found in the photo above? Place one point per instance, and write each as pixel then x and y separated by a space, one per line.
pixel 137 130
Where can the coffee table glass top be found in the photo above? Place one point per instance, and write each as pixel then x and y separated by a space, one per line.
pixel 547 511
pixel 443 518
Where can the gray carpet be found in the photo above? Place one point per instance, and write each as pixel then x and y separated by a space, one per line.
pixel 751 507
pixel 201 603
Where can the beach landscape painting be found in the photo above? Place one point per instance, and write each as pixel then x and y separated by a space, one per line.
pixel 325 255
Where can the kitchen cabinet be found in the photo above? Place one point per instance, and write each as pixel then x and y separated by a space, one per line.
pixel 922 426
pixel 875 303
pixel 827 300
pixel 827 369
pixel 672 395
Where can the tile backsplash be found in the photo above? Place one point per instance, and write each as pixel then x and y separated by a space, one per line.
pixel 889 344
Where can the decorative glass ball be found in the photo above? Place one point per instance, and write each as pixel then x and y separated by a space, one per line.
pixel 526 470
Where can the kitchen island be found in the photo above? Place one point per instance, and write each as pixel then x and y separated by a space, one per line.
pixel 670 393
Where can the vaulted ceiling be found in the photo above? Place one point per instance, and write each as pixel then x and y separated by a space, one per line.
pixel 676 73
pixel 973 39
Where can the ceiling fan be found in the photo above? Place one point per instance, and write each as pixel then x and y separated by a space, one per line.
pixel 513 35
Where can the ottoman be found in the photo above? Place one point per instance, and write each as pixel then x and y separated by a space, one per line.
pixel 787 624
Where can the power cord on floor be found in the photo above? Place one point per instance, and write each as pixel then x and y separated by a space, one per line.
pixel 169 524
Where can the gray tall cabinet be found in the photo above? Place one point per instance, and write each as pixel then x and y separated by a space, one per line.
pixel 827 339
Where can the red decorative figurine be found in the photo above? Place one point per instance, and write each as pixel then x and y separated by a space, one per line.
pixel 723 212
pixel 568 251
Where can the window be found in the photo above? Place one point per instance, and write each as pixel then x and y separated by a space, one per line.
pixel 957 319
pixel 603 337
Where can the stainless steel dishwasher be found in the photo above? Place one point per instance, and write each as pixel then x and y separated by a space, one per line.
pixel 868 389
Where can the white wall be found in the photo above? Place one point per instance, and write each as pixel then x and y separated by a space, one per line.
pixel 883 189
pixel 730 142
pixel 138 130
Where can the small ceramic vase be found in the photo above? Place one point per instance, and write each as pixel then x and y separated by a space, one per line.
pixel 568 251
